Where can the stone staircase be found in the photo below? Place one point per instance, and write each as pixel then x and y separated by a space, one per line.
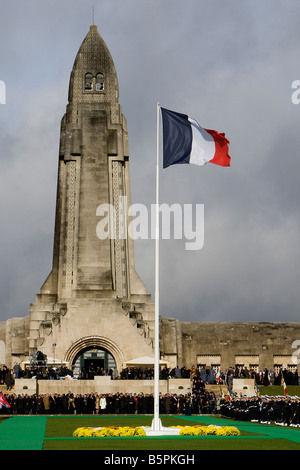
pixel 218 390
pixel 136 318
pixel 4 390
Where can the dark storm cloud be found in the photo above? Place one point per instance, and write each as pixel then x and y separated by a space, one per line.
pixel 230 65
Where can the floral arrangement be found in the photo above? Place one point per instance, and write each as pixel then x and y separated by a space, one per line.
pixel 110 431
pixel 210 430
pixel 113 431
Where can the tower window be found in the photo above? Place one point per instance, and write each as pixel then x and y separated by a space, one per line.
pixel 88 81
pixel 99 82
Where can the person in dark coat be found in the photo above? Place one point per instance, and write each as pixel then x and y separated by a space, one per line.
pixel 168 403
pixel 40 405
pixel 8 379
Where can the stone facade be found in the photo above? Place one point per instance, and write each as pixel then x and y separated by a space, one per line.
pixel 93 299
pixel 258 345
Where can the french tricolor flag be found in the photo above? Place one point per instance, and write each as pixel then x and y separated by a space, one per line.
pixel 185 141
pixel 3 402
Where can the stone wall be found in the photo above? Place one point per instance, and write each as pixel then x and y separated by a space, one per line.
pixel 181 343
pixel 264 341
pixel 100 385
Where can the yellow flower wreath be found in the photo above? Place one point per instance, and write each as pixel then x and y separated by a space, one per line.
pixel 113 431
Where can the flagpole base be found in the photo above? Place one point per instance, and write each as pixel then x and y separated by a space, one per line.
pixel 156 424
pixel 157 429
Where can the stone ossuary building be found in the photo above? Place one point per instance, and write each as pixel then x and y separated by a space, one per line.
pixel 93 306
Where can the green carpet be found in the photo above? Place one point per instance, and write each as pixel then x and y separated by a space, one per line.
pixel 28 432
pixel 23 433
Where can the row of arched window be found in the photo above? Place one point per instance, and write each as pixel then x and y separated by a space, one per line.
pixel 93 83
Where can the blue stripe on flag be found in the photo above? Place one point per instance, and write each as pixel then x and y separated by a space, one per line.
pixel 177 138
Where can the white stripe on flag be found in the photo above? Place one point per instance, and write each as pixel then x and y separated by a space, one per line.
pixel 203 144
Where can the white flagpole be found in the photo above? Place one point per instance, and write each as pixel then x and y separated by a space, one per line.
pixel 156 424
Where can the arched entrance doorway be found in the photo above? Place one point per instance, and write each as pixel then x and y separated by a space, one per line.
pixel 93 361
pixel 97 349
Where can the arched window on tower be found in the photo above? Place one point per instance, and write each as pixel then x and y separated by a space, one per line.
pixel 99 82
pixel 88 81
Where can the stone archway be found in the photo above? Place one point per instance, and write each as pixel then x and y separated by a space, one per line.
pixel 95 342
pixel 93 362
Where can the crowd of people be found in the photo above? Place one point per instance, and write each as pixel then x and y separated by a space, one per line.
pixel 283 411
pixel 210 375
pixel 8 376
pixel 203 375
pixel 42 372
pixel 147 373
pixel 202 402
pixel 265 376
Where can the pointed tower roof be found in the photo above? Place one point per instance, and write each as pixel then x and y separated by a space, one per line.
pixel 94 59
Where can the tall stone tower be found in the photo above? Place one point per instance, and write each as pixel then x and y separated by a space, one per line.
pixel 93 297
pixel 93 307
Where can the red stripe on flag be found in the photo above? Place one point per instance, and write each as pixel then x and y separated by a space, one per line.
pixel 221 157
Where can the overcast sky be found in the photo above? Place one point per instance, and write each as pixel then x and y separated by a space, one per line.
pixel 230 65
